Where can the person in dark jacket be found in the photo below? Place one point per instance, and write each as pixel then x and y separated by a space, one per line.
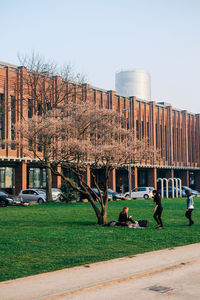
pixel 190 207
pixel 157 209
pixel 124 219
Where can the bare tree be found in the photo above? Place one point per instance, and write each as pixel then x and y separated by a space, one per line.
pixel 78 134
pixel 45 87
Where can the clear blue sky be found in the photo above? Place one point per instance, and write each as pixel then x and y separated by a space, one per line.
pixel 101 37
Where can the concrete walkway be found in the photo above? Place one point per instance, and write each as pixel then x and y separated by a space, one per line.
pixel 81 282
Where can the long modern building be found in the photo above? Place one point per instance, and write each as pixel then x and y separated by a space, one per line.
pixel 175 132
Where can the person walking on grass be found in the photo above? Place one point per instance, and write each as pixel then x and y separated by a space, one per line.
pixel 190 207
pixel 157 209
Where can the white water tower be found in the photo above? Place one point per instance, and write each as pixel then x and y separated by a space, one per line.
pixel 133 83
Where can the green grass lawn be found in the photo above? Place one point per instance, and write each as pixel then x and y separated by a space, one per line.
pixel 52 236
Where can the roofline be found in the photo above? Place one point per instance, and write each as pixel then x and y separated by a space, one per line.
pixel 159 104
pixel 6 65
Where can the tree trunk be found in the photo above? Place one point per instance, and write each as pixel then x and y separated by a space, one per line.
pixel 49 184
pixel 102 218
pixel 101 215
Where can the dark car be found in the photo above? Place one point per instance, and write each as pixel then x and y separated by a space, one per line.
pixel 96 192
pixel 170 192
pixel 6 200
pixel 192 192
pixel 114 195
pixel 111 194
pixel 183 189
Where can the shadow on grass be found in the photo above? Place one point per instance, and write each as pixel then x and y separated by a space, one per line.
pixel 82 223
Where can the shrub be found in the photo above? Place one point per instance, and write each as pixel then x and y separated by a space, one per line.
pixel 69 194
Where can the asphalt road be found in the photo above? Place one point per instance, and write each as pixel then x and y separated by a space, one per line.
pixel 172 273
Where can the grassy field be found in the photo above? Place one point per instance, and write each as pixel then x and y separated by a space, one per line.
pixel 52 236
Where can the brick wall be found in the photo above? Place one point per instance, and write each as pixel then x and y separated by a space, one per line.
pixel 176 133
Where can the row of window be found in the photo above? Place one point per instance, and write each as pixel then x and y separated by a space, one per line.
pixel 161 141
pixel 12 119
pixel 39 108
pixel 36 177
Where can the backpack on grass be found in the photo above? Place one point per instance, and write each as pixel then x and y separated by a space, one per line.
pixel 112 223
pixel 143 223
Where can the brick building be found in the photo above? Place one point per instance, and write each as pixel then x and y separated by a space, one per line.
pixel 175 132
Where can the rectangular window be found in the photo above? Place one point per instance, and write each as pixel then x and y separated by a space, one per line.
pixel 39 145
pixel 30 145
pixel 177 144
pixel 34 177
pixel 156 136
pixel 137 129
pixel 142 129
pixel 30 108
pixel 161 140
pixel 6 177
pixel 124 102
pixel 101 100
pixel 2 177
pixel 173 143
pixel 39 109
pixel 48 105
pixel 107 101
pixel 161 137
pixel 189 142
pixel 44 175
pixel 1 120
pixel 12 120
pixel 166 145
pixel 118 101
pixel 181 139
pixel 37 177
pixel 110 104
pixel 142 178
pixel 148 130
pixel 128 123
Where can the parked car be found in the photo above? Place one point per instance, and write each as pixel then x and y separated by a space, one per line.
pixel 96 192
pixel 114 195
pixel 193 192
pixel 57 194
pixel 6 200
pixel 111 194
pixel 170 192
pixel 183 188
pixel 141 192
pixel 32 195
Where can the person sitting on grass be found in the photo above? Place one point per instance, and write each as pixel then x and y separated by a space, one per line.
pixel 124 219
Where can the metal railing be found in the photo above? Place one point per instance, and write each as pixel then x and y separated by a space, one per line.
pixel 176 184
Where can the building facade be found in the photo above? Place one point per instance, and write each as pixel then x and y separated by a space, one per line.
pixel 175 132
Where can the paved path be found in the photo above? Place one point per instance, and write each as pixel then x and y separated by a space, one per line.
pixel 172 273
